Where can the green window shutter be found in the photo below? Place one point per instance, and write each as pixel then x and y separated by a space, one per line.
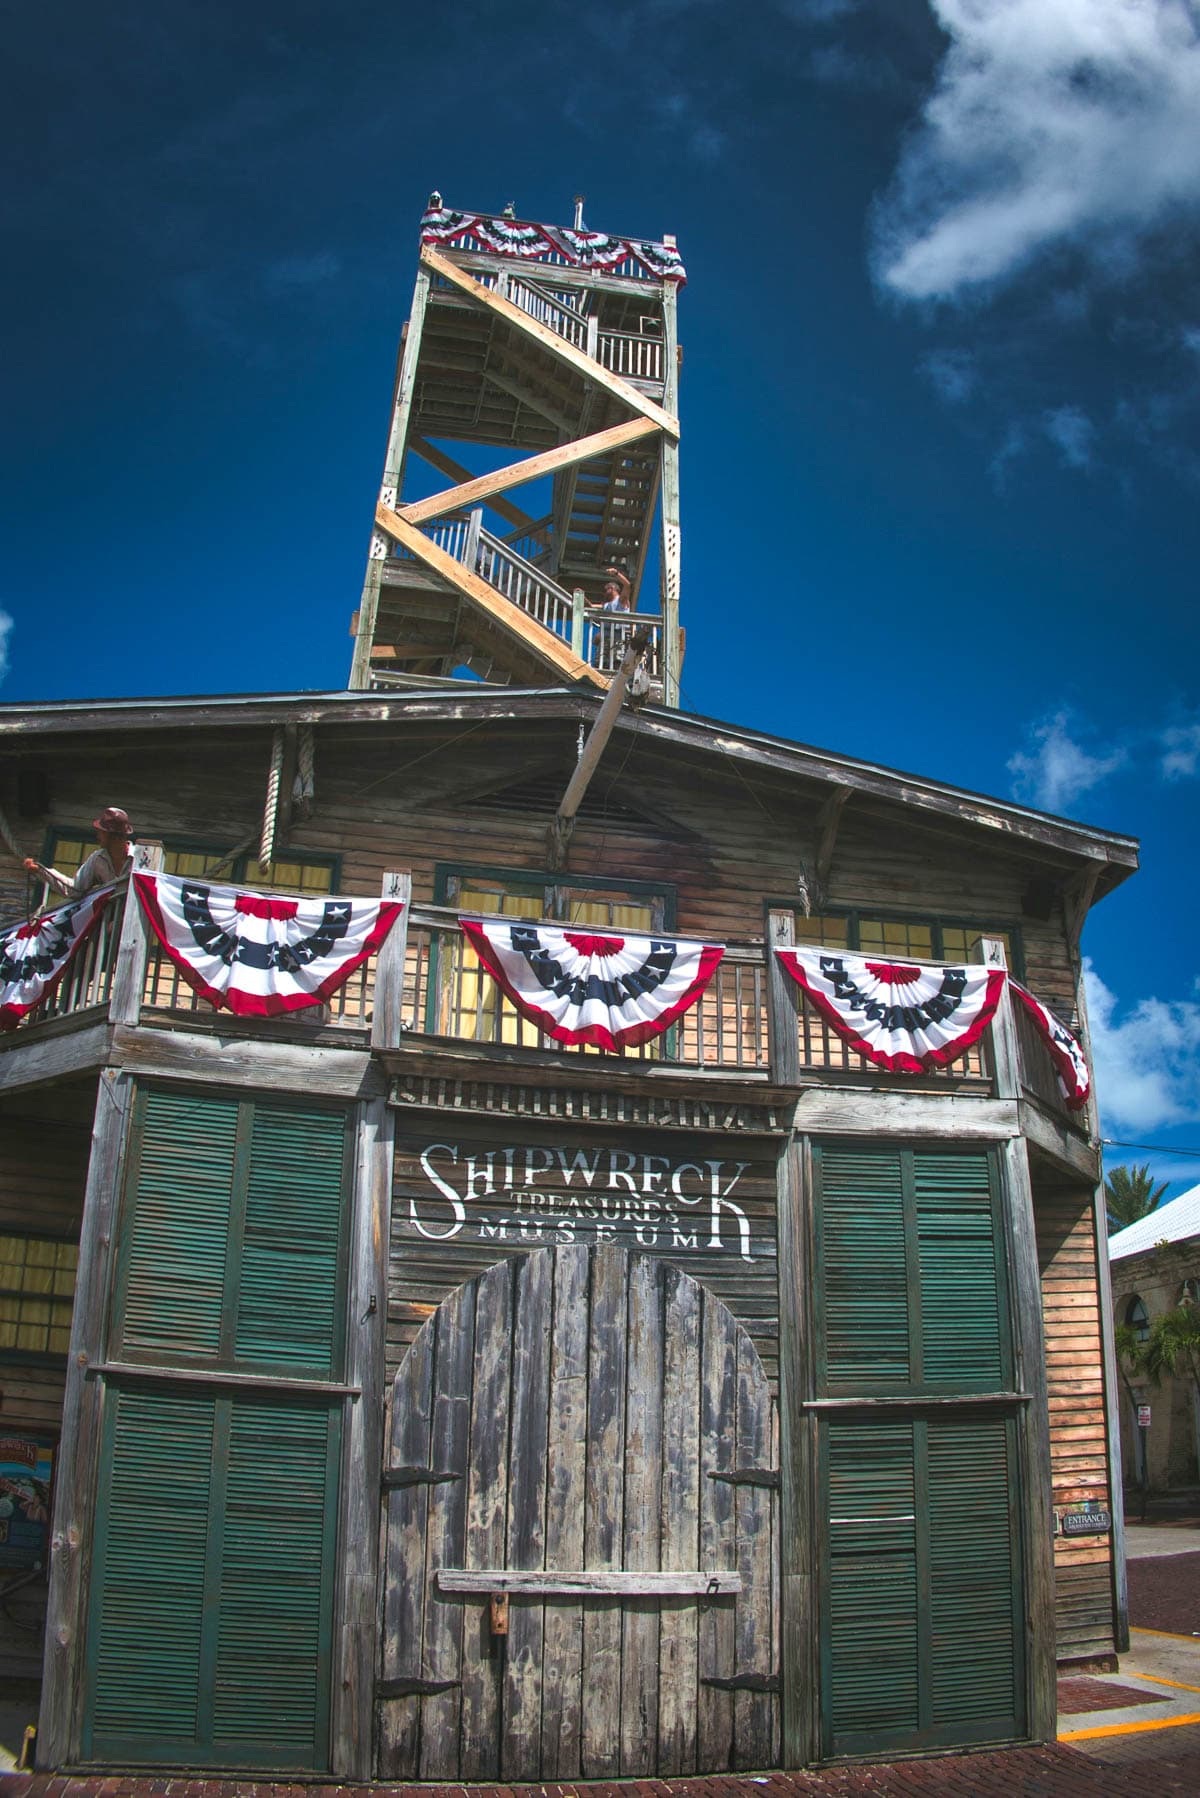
pixel 864 1270
pixel 147 1580
pixel 273 1641
pixel 177 1224
pixel 961 1311
pixel 974 1577
pixel 212 1586
pixel 287 1314
pixel 871 1643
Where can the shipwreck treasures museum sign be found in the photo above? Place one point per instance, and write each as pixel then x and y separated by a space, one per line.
pixel 470 1191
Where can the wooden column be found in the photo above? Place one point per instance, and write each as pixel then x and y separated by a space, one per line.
pixel 75 1475
pixel 1030 1375
pixel 671 537
pixel 389 965
pixel 356 1622
pixel 800 1657
pixel 393 477
pixel 129 975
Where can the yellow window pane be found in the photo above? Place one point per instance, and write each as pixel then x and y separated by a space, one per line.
pixel 38 1279
pixel 64 1281
pixel 59 1339
pixel 8 1334
pixel 70 853
pixel 189 864
pixel 10 1310
pixel 31 1338
pixel 34 1312
pixel 41 1254
pixel 497 900
pixel 825 933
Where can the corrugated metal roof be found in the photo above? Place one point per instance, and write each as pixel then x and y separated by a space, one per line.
pixel 1169 1223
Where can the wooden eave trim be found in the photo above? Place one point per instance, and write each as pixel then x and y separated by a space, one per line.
pixel 549 340
pixel 704 737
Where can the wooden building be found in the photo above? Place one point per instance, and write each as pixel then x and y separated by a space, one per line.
pixel 436 1401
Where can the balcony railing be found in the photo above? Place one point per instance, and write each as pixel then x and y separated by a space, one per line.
pixel 444 995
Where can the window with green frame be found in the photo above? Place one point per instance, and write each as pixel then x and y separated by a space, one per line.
pixel 66 850
pixel 464 1001
pixel 919 937
pixel 37 1293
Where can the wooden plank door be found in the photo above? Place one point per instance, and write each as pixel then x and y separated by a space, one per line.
pixel 596 1420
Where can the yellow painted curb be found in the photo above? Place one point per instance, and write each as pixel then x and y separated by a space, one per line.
pixel 1157 1680
pixel 1127 1729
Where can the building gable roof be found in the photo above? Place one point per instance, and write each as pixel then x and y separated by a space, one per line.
pixel 1174 1222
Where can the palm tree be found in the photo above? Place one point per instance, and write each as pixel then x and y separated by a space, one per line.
pixel 1130 1363
pixel 1130 1194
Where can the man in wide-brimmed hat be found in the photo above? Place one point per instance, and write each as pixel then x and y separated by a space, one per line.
pixel 103 865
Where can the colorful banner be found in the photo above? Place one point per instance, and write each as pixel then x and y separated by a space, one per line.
pixel 26 1467
pixel 257 953
pixel 35 956
pixel 1065 1049
pixel 579 987
pixel 542 243
pixel 906 1017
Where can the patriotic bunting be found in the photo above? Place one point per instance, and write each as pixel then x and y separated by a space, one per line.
pixel 1064 1047
pixel 542 243
pixel 904 1016
pixel 34 956
pixel 256 953
pixel 611 991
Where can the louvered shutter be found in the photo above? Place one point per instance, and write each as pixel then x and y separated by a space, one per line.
pixel 962 1323
pixel 148 1571
pixel 923 1628
pixel 213 1587
pixel 287 1313
pixel 864 1271
pixel 171 1286
pixel 974 1578
pixel 871 1644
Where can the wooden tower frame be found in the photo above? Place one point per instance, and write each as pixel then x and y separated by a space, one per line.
pixel 564 346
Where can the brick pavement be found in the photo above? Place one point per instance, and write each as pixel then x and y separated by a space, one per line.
pixel 1048 1772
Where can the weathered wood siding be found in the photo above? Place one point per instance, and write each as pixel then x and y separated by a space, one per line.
pixel 1075 1384
pixel 469 1192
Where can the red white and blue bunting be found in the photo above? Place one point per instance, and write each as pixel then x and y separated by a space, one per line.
pixel 260 954
pixel 35 956
pixel 1065 1049
pixel 547 243
pixel 580 987
pixel 906 1017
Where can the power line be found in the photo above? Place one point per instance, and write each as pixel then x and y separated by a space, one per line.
pixel 1153 1148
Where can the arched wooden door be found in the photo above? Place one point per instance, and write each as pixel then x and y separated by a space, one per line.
pixel 600 1423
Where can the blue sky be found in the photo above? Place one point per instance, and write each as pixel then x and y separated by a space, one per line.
pixel 940 393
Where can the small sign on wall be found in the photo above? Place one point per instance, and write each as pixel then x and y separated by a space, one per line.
pixel 1143 1412
pixel 1091 1519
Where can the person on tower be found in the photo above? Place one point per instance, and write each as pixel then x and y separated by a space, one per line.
pixel 104 865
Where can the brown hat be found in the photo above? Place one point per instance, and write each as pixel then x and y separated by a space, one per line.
pixel 113 822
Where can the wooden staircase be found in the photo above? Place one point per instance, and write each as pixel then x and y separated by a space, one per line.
pixel 569 380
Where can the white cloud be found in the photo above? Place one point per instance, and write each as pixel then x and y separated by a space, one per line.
pixel 1147 1058
pixel 6 625
pixel 1072 433
pixel 1057 770
pixel 1053 122
pixel 1180 751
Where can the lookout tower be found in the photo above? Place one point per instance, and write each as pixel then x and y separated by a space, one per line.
pixel 548 357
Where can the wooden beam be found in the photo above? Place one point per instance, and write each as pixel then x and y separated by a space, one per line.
pixel 547 649
pixel 592 370
pixel 593 749
pixel 593 1582
pixel 1078 894
pixel 517 474
pixel 389 964
pixel 446 465
pixel 828 820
